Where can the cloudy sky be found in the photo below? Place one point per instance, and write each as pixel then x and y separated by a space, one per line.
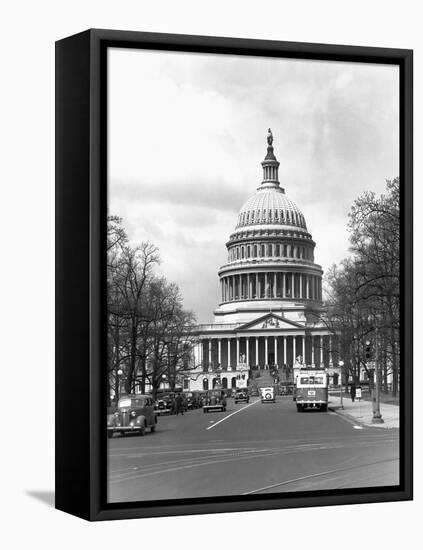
pixel 187 134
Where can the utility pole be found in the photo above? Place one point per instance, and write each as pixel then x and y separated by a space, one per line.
pixel 377 417
pixel 341 364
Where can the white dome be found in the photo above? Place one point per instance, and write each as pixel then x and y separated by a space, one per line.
pixel 270 206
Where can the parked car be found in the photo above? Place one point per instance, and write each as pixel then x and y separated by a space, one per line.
pixel 164 404
pixel 215 400
pixel 192 400
pixel 241 396
pixel 134 413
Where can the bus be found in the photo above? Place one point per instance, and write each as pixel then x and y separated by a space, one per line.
pixel 311 388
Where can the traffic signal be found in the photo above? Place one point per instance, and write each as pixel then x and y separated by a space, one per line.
pixel 368 350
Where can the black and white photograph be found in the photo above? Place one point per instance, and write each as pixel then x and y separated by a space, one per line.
pixel 253 275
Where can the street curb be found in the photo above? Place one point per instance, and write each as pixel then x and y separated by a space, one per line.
pixel 360 422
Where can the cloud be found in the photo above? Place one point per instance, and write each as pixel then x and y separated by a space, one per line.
pixel 187 136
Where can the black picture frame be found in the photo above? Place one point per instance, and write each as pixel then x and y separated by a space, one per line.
pixel 81 209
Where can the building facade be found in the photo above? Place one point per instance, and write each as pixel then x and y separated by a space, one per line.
pixel 270 303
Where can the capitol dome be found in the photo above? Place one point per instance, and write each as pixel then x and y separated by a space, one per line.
pixel 270 262
pixel 270 206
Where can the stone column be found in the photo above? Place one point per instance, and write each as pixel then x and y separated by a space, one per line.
pixel 247 351
pixel 308 287
pixel 321 351
pixel 248 287
pixel 210 351
pixel 301 286
pixel 285 360
pixel 266 349
pixel 219 351
pixel 274 284
pixel 294 349
pixel 284 285
pixel 237 350
pixel 265 285
pixel 229 352
pixel 293 286
pixel 239 287
pixel 257 350
pixel 312 349
pixel 257 285
pixel 276 350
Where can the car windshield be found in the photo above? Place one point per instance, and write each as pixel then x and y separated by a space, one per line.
pixel 127 403
pixel 311 380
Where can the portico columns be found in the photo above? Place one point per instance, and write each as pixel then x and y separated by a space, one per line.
pixel 312 349
pixel 284 285
pixel 276 350
pixel 266 343
pixel 301 286
pixel 294 349
pixel 304 350
pixel 274 284
pixel 247 340
pixel 237 351
pixel 219 351
pixel 257 354
pixel 284 351
pixel 210 352
pixel 292 286
pixel 229 352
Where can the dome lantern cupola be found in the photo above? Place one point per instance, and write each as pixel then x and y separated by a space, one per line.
pixel 270 166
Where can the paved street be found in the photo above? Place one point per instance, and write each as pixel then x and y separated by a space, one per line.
pixel 255 448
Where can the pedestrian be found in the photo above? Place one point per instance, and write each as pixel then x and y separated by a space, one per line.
pixel 179 405
pixel 353 392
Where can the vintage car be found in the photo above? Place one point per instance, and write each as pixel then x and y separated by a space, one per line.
pixel 241 396
pixel 134 413
pixel 214 401
pixel 164 404
pixel 267 394
pixel 192 400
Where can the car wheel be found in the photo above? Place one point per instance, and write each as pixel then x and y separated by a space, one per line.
pixel 153 428
pixel 142 430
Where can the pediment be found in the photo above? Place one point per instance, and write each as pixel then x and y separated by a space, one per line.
pixel 270 321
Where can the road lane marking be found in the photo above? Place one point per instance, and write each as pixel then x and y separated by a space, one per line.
pixel 229 415
pixel 319 474
pixel 188 467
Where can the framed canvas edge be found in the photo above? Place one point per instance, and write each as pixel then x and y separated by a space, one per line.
pixel 89 503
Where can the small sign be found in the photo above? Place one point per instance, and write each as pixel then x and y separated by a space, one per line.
pixel 358 393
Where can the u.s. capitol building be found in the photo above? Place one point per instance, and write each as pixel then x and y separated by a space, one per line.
pixel 270 305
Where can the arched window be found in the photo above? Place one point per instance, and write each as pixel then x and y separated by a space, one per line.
pixel 237 252
pixel 278 250
pixel 263 251
pixel 255 251
pixel 242 252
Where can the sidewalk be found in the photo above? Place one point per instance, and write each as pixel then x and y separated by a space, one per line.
pixel 361 412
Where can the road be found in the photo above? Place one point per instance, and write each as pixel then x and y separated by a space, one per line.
pixel 250 449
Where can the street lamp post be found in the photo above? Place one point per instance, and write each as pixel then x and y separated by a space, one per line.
pixel 341 364
pixel 377 417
